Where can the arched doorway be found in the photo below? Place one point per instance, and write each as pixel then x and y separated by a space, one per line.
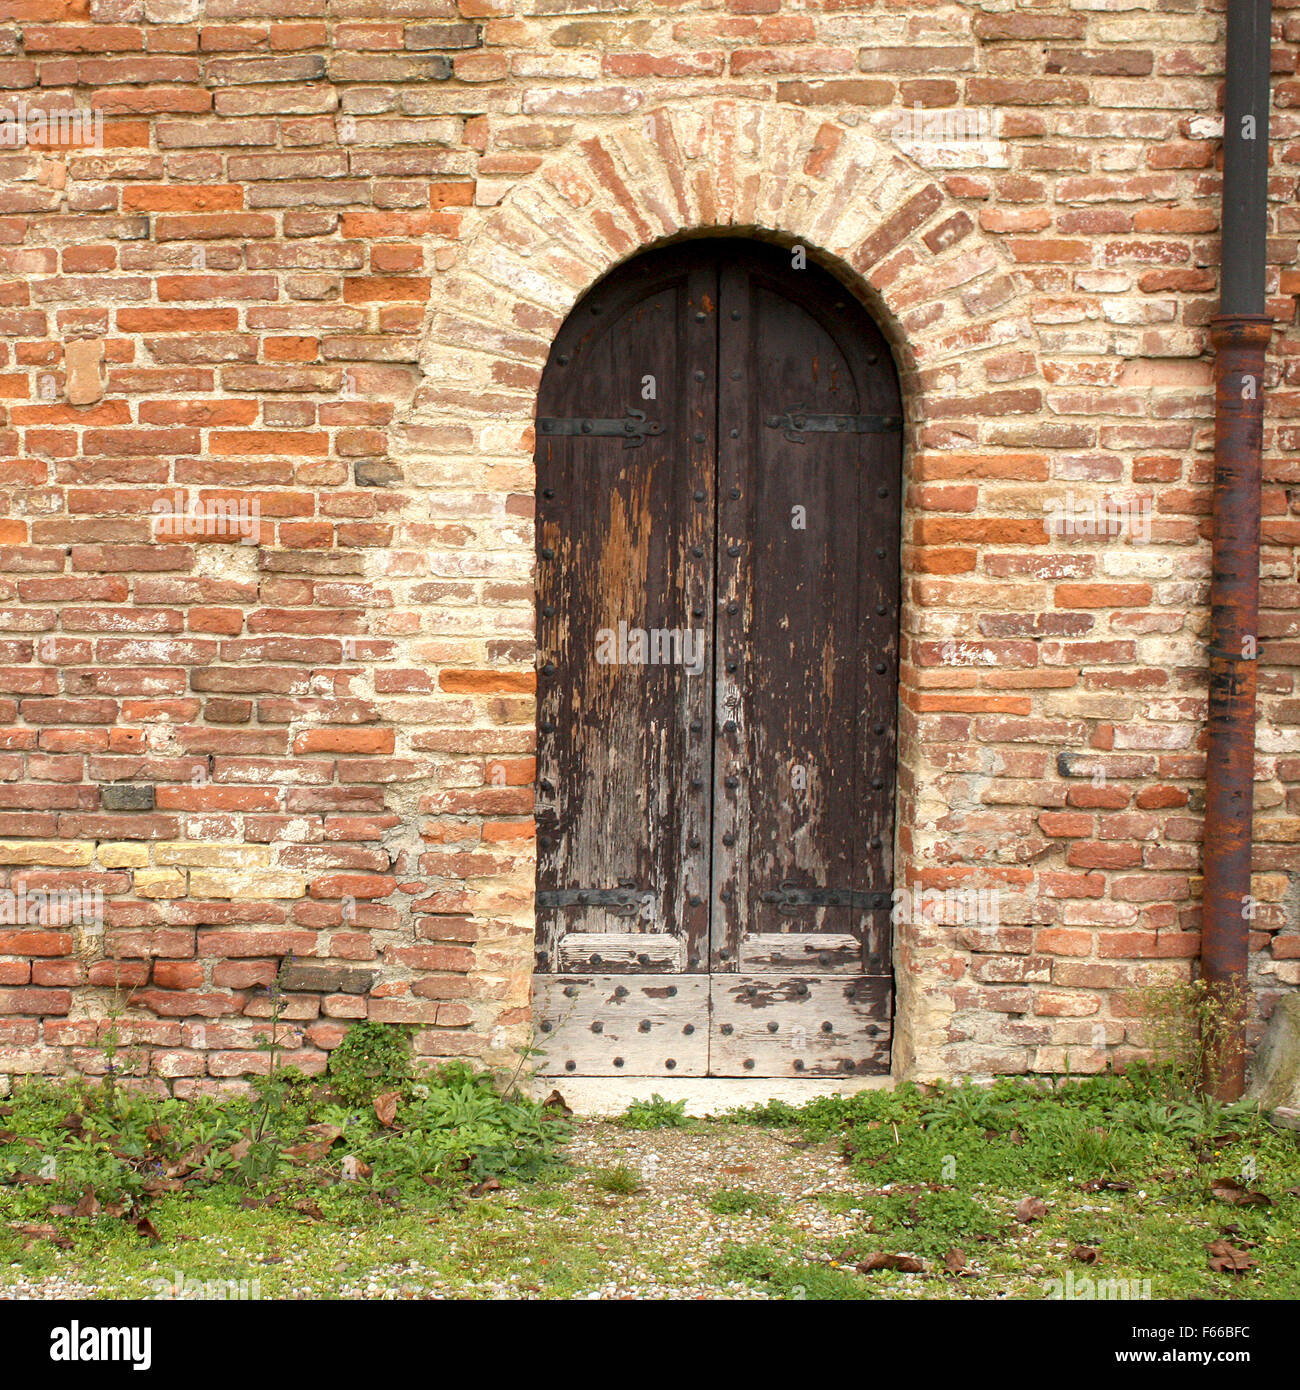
pixel 718 472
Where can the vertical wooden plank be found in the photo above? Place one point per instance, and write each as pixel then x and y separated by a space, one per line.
pixel 738 415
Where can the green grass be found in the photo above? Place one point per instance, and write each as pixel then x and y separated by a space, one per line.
pixel 656 1113
pixel 1118 1167
pixel 735 1201
pixel 619 1180
pixel 466 1193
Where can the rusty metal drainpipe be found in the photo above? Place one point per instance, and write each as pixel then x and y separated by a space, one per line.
pixel 1240 334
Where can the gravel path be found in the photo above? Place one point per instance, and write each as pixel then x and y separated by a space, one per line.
pixel 680 1171
pixel 659 1241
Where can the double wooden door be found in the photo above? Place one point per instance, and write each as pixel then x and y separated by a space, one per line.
pixel 718 473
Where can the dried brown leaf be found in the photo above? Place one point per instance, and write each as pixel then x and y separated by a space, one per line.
pixel 1031 1209
pixel 41 1230
pixel 1226 1258
pixel 905 1264
pixel 555 1108
pixel 386 1108
pixel 87 1204
pixel 1237 1194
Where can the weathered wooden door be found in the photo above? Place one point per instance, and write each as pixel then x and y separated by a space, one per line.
pixel 718 463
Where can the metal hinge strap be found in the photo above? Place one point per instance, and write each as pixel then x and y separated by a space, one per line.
pixel 622 902
pixel 633 429
pixel 789 898
pixel 797 421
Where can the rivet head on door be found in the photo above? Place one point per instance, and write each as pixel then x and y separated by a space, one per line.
pixel 749 1064
pixel 670 1063
pixel 570 1066
pixel 619 993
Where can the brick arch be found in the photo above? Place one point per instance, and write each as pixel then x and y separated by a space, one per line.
pixel 949 302
pixel 940 287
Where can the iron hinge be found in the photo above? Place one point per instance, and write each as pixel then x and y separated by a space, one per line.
pixel 796 421
pixel 790 898
pixel 625 901
pixel 632 429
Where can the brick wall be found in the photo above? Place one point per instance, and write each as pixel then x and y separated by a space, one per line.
pixel 315 269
